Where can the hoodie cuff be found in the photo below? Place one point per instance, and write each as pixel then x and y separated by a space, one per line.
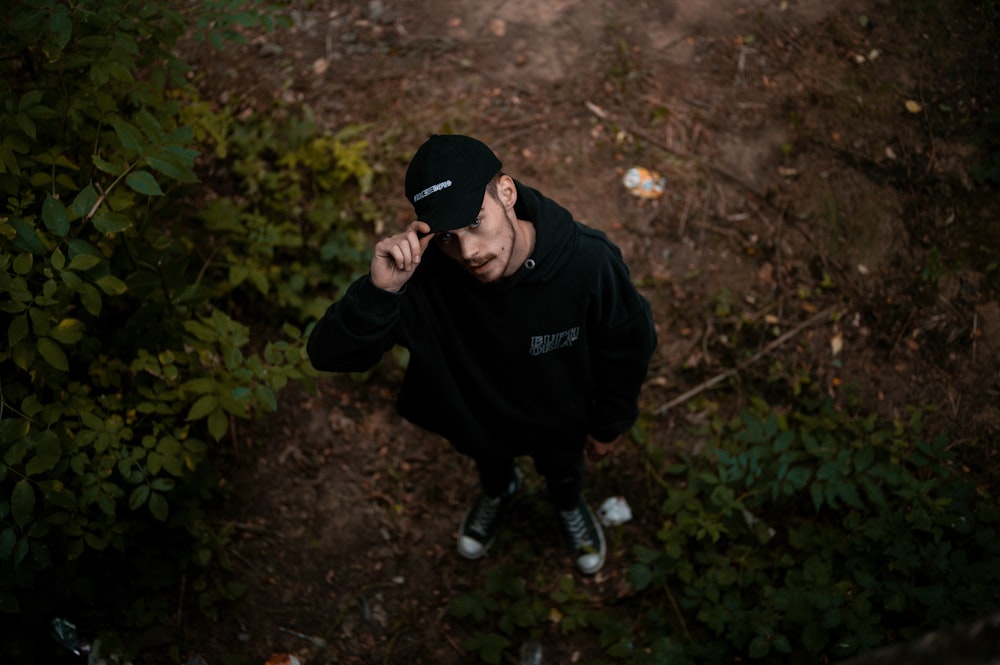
pixel 379 298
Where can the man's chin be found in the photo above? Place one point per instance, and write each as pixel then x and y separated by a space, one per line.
pixel 486 273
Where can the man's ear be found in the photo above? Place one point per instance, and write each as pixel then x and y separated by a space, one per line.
pixel 507 191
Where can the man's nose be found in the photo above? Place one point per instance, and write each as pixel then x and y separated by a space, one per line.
pixel 467 247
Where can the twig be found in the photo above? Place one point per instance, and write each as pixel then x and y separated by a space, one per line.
pixel 315 641
pixel 604 115
pixel 816 318
pixel 452 642
pixel 975 335
pixel 400 628
pixel 677 611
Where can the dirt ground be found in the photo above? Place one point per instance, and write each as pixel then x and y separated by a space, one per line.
pixel 802 141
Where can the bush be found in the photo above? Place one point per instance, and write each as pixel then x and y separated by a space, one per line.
pixel 798 538
pixel 128 307
pixel 814 535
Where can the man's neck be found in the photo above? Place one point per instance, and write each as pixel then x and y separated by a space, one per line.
pixel 524 241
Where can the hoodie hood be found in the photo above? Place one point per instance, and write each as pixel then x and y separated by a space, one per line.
pixel 556 235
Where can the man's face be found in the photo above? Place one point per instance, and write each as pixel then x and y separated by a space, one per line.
pixel 486 246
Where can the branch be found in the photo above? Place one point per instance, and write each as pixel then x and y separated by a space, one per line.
pixel 702 387
pixel 718 170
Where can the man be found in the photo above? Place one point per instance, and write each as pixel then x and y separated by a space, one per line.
pixel 526 335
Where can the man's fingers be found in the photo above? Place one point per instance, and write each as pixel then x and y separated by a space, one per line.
pixel 423 235
pixel 425 240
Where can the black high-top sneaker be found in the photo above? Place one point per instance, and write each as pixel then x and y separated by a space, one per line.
pixel 585 537
pixel 482 521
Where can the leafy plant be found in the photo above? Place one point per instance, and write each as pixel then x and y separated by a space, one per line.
pixel 506 608
pixel 132 330
pixel 814 535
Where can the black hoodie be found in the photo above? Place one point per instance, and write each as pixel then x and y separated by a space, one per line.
pixel 555 352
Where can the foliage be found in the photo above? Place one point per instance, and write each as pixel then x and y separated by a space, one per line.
pixel 504 608
pixel 130 307
pixel 815 535
pixel 805 536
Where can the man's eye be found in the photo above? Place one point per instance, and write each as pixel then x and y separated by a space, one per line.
pixel 476 223
pixel 442 237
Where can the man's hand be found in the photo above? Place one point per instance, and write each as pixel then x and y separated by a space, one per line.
pixel 396 257
pixel 598 450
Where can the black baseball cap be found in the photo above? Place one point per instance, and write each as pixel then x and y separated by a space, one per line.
pixel 446 180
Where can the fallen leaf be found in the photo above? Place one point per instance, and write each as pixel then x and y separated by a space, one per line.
pixel 837 344
pixel 498 27
pixel 913 106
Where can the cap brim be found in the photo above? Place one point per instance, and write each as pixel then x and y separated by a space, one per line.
pixel 460 211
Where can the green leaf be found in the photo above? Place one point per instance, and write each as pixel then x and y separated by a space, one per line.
pixel 201 331
pixel 8 537
pixel 47 454
pixel 106 221
pixel 816 491
pixel 22 502
pixel 174 162
pixel 68 331
pixel 759 647
pixel 53 354
pixel 144 183
pixel 83 262
pixel 163 484
pixel 58 259
pixel 111 285
pixel 17 330
pixel 26 124
pixel 138 497
pixel 61 26
pixel 27 237
pixel 640 576
pixel 95 541
pixel 850 496
pixel 200 385
pixel 91 299
pixel 265 396
pixel 55 216
pixel 150 126
pixel 205 405
pixel 30 98
pixel 158 506
pixel 84 202
pixel 111 168
pixel 23 263
pixel 218 423
pixel 24 355
pixel 129 135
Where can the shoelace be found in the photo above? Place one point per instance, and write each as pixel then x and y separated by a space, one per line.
pixel 577 528
pixel 484 514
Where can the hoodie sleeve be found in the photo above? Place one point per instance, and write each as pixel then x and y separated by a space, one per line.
pixel 622 343
pixel 356 330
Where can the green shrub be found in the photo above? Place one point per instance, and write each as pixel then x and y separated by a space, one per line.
pixel 814 535
pixel 131 312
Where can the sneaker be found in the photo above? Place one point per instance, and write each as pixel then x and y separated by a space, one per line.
pixel 482 521
pixel 585 537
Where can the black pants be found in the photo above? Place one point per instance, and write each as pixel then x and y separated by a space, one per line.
pixel 563 472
